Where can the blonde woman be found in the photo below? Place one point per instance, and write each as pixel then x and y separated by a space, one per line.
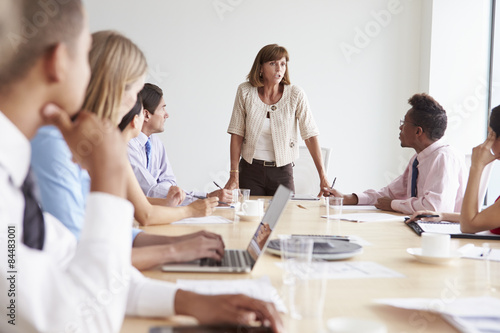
pixel 118 68
pixel 268 111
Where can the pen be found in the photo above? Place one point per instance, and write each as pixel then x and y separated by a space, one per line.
pixel 425 215
pixel 202 197
pixel 217 185
pixel 485 255
pixel 333 184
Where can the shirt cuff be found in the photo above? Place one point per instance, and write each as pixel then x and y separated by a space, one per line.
pixel 107 216
pixel 363 199
pixel 150 298
pixel 135 232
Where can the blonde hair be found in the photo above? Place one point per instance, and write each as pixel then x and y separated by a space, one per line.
pixel 271 52
pixel 115 63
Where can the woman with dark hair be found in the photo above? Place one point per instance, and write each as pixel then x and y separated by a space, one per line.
pixel 267 113
pixel 470 218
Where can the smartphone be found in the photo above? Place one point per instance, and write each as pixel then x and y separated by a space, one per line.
pixel 211 329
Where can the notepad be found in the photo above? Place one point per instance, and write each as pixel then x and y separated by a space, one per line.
pixel 450 228
pixel 358 207
pixel 257 288
pixel 204 220
pixel 370 217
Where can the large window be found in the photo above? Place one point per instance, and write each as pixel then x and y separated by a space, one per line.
pixel 494 96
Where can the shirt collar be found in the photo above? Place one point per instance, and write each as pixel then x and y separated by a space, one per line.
pixel 142 138
pixel 15 151
pixel 431 149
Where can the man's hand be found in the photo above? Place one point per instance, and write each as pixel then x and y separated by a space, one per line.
pixel 223 195
pixel 227 309
pixel 384 204
pixel 203 233
pixel 205 207
pixel 349 199
pixel 175 196
pixel 97 146
pixel 197 247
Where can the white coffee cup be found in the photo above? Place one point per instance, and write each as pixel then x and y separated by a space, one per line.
pixel 435 245
pixel 253 207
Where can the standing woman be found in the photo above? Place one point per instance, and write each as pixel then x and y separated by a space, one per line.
pixel 263 127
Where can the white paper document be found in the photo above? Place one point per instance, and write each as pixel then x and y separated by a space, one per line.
pixel 371 217
pixel 358 207
pixel 481 253
pixel 204 220
pixel 475 314
pixel 352 270
pixel 257 288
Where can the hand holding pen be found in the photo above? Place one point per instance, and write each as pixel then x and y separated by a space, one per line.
pixel 426 216
pixel 202 197
pixel 330 191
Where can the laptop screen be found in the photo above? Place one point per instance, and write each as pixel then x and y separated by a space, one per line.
pixel 269 221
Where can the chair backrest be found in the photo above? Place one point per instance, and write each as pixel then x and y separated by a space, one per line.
pixel 485 178
pixel 305 175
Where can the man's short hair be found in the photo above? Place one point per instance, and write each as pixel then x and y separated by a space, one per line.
pixel 495 120
pixel 10 17
pixel 42 25
pixel 427 113
pixel 151 97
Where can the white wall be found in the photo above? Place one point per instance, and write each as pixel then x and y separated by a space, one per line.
pixel 358 61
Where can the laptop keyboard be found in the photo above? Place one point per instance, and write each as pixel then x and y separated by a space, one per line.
pixel 232 258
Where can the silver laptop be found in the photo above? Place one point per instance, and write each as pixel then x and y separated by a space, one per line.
pixel 241 261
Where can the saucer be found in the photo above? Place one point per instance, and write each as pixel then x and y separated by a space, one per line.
pixel 417 253
pixel 354 325
pixel 248 218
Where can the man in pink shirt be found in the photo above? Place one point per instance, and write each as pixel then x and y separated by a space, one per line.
pixel 436 176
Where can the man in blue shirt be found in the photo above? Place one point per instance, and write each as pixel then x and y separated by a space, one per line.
pixel 64 187
pixel 148 156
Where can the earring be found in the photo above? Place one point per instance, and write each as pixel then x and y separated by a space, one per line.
pixel 260 74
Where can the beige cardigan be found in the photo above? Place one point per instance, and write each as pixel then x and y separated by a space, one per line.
pixel 248 117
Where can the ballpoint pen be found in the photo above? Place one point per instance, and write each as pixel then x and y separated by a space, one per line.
pixel 333 183
pixel 217 185
pixel 202 197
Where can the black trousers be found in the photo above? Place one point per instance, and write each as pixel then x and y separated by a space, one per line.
pixel 264 180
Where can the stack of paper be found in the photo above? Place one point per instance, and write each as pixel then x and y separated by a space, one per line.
pixel 351 270
pixel 476 314
pixel 481 253
pixel 258 288
pixel 371 217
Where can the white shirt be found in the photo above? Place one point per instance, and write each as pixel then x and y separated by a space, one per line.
pixel 264 149
pixel 69 287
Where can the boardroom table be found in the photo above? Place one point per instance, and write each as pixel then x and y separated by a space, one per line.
pixel 344 297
